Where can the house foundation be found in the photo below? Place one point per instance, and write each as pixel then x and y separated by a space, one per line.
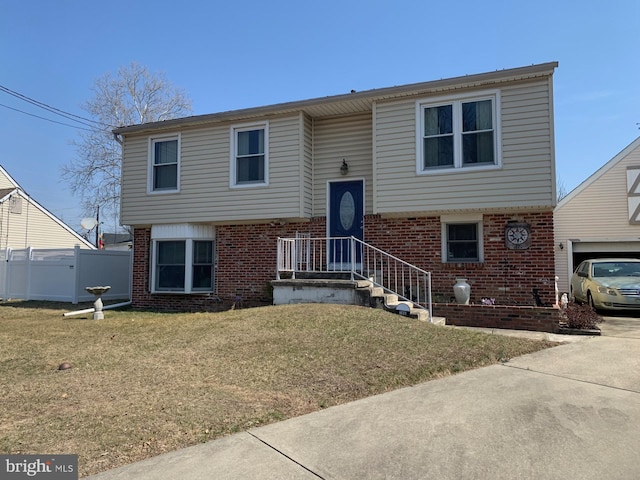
pixel 246 261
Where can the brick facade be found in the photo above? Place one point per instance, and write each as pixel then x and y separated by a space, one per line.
pixel 501 316
pixel 246 260
pixel 507 275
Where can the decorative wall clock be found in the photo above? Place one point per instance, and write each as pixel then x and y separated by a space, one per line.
pixel 517 236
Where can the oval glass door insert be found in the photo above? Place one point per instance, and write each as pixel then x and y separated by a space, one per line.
pixel 347 210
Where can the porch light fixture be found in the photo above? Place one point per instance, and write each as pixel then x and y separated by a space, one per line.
pixel 561 246
pixel 344 168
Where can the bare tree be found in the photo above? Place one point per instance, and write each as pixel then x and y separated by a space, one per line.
pixel 133 96
pixel 561 190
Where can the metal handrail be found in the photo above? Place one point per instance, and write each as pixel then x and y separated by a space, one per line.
pixel 359 259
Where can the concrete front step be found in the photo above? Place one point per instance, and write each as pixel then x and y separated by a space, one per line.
pixel 391 303
pixel 342 291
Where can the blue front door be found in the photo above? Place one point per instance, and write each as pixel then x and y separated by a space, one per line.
pixel 346 218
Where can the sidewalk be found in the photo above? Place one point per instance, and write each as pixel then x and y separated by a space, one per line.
pixel 569 412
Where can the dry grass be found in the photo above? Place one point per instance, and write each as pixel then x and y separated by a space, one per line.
pixel 145 383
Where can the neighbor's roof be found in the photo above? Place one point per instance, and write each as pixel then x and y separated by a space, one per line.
pixel 4 192
pixel 355 102
pixel 599 173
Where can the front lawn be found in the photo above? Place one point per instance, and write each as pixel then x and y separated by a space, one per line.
pixel 145 383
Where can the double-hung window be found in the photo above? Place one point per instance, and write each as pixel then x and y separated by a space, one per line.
pixel 164 164
pixel 462 239
pixel 250 155
pixel 458 133
pixel 184 264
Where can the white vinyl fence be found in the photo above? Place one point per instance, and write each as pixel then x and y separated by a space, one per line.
pixel 62 274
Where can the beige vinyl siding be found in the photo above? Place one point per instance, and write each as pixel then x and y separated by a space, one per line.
pixel 5 182
pixel 597 213
pixel 525 180
pixel 307 168
pixel 205 193
pixel 338 138
pixel 33 228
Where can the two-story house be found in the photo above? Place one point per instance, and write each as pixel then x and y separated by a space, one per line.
pixel 455 176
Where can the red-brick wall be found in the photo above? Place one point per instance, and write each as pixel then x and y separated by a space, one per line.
pixel 246 260
pixel 508 276
pixel 501 316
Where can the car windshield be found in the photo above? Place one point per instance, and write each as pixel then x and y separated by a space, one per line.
pixel 616 269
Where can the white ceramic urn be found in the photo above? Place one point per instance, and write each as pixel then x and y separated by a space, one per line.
pixel 462 291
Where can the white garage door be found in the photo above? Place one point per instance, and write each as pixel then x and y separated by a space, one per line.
pixel 614 247
pixel 585 250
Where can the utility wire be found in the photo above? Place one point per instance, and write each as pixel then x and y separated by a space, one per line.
pixel 47 119
pixel 56 111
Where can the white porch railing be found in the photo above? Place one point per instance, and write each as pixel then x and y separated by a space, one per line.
pixel 360 260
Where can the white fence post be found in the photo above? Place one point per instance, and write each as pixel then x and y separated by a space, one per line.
pixel 5 273
pixel 76 271
pixel 27 295
pixel 7 278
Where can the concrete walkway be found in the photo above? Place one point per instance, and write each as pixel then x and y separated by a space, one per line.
pixel 570 412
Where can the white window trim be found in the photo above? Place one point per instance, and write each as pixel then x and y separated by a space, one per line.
pixel 234 129
pixel 457 100
pixel 188 267
pixel 151 149
pixel 456 219
pixel 187 233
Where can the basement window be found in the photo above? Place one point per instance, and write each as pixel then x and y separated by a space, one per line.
pixel 462 239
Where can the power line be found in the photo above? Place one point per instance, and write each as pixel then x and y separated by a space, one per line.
pixel 47 119
pixel 70 116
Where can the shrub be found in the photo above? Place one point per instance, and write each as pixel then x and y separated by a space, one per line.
pixel 581 316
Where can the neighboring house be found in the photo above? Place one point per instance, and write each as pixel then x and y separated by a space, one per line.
pixel 601 217
pixel 455 176
pixel 25 223
pixel 117 241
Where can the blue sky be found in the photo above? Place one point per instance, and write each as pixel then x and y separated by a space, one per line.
pixel 229 55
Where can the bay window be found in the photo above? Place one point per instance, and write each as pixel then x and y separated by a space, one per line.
pixel 182 259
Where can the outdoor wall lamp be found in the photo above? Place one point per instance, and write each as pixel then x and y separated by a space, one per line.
pixel 344 168
pixel 561 245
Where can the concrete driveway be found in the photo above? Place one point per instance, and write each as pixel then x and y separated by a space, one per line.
pixel 621 325
pixel 568 412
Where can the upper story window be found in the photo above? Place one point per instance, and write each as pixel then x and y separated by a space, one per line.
pixel 250 155
pixel 458 133
pixel 164 164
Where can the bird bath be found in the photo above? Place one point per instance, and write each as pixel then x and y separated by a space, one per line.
pixel 97 305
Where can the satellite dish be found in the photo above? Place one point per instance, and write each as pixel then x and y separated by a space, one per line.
pixel 88 223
